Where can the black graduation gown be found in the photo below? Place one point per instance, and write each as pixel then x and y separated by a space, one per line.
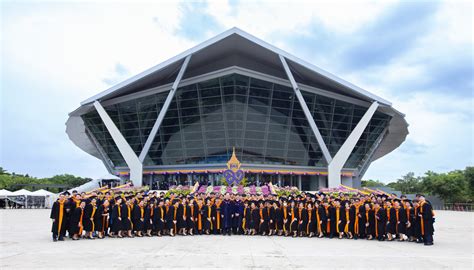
pixel 263 226
pixel 138 218
pixel 76 218
pixel 246 218
pixel 115 223
pixel 278 218
pixel 89 212
pixel 159 216
pixel 293 218
pixel 370 218
pixel 311 227
pixel 99 220
pixel 286 215
pixel 191 217
pixel 302 220
pixel 255 219
pixel 392 220
pixel 401 219
pixel 427 219
pixel 271 218
pixel 360 218
pixel 340 219
pixel 58 213
pixel 410 222
pixel 181 222
pixel 321 219
pixel 148 222
pixel 380 223
pixel 126 215
pixel 207 213
pixel 352 219
pixel 171 215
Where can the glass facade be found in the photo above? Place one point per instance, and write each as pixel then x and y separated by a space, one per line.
pixel 262 120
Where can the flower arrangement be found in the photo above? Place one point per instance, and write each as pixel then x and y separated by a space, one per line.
pixel 179 190
pixel 286 191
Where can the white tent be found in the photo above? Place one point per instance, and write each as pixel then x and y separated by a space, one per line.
pixel 4 193
pixel 42 192
pixel 109 177
pixel 22 192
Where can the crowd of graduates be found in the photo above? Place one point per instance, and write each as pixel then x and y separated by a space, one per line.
pixel 357 216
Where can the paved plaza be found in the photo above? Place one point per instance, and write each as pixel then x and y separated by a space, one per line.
pixel 25 242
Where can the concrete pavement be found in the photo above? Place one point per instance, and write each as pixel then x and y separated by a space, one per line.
pixel 25 242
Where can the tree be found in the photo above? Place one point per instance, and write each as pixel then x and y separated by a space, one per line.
pixel 372 183
pixel 407 184
pixel 451 187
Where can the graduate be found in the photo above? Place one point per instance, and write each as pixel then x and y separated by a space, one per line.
pixel 159 217
pixel 226 213
pixel 277 217
pixel 208 216
pixel 200 216
pixel 89 214
pixel 293 217
pixel 246 218
pixel 426 215
pixel 139 218
pixel 349 217
pixel 312 223
pixel 286 217
pixel 192 215
pixel 400 219
pixel 302 219
pixel 77 221
pixel 263 224
pixel 238 212
pixel 369 219
pixel 219 216
pixel 340 220
pixel 148 222
pixel 320 218
pixel 391 221
pixel 116 218
pixel 101 219
pixel 255 212
pixel 380 215
pixel 58 215
pixel 126 217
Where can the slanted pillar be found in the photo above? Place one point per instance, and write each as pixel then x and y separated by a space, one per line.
pixel 335 166
pixel 134 164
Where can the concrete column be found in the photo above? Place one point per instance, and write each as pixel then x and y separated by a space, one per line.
pixel 279 180
pixel 133 163
pixel 299 182
pixel 335 166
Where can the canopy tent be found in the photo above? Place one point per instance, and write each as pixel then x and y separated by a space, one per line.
pixel 42 192
pixel 22 192
pixel 4 193
pixel 109 177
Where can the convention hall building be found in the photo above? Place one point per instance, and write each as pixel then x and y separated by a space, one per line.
pixel 284 119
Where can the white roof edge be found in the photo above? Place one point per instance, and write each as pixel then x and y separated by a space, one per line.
pixel 250 37
pixel 162 65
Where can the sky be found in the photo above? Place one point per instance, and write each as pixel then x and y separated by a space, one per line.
pixel 418 55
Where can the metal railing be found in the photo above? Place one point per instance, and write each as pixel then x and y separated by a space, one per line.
pixel 462 207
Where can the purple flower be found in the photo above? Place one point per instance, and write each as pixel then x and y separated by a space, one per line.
pixel 202 189
pixel 217 189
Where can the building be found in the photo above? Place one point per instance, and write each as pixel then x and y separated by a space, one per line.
pixel 289 121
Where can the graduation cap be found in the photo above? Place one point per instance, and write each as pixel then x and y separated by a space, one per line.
pixel 419 195
pixel 66 193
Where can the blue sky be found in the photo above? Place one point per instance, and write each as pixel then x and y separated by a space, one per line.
pixel 419 55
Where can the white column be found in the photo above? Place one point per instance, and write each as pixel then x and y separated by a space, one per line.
pixel 306 111
pixel 299 182
pixel 163 110
pixel 335 166
pixel 136 167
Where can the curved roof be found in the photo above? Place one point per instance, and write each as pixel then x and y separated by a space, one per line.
pixel 235 48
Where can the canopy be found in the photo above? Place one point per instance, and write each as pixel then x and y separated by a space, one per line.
pixel 42 192
pixel 22 192
pixel 109 177
pixel 4 192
